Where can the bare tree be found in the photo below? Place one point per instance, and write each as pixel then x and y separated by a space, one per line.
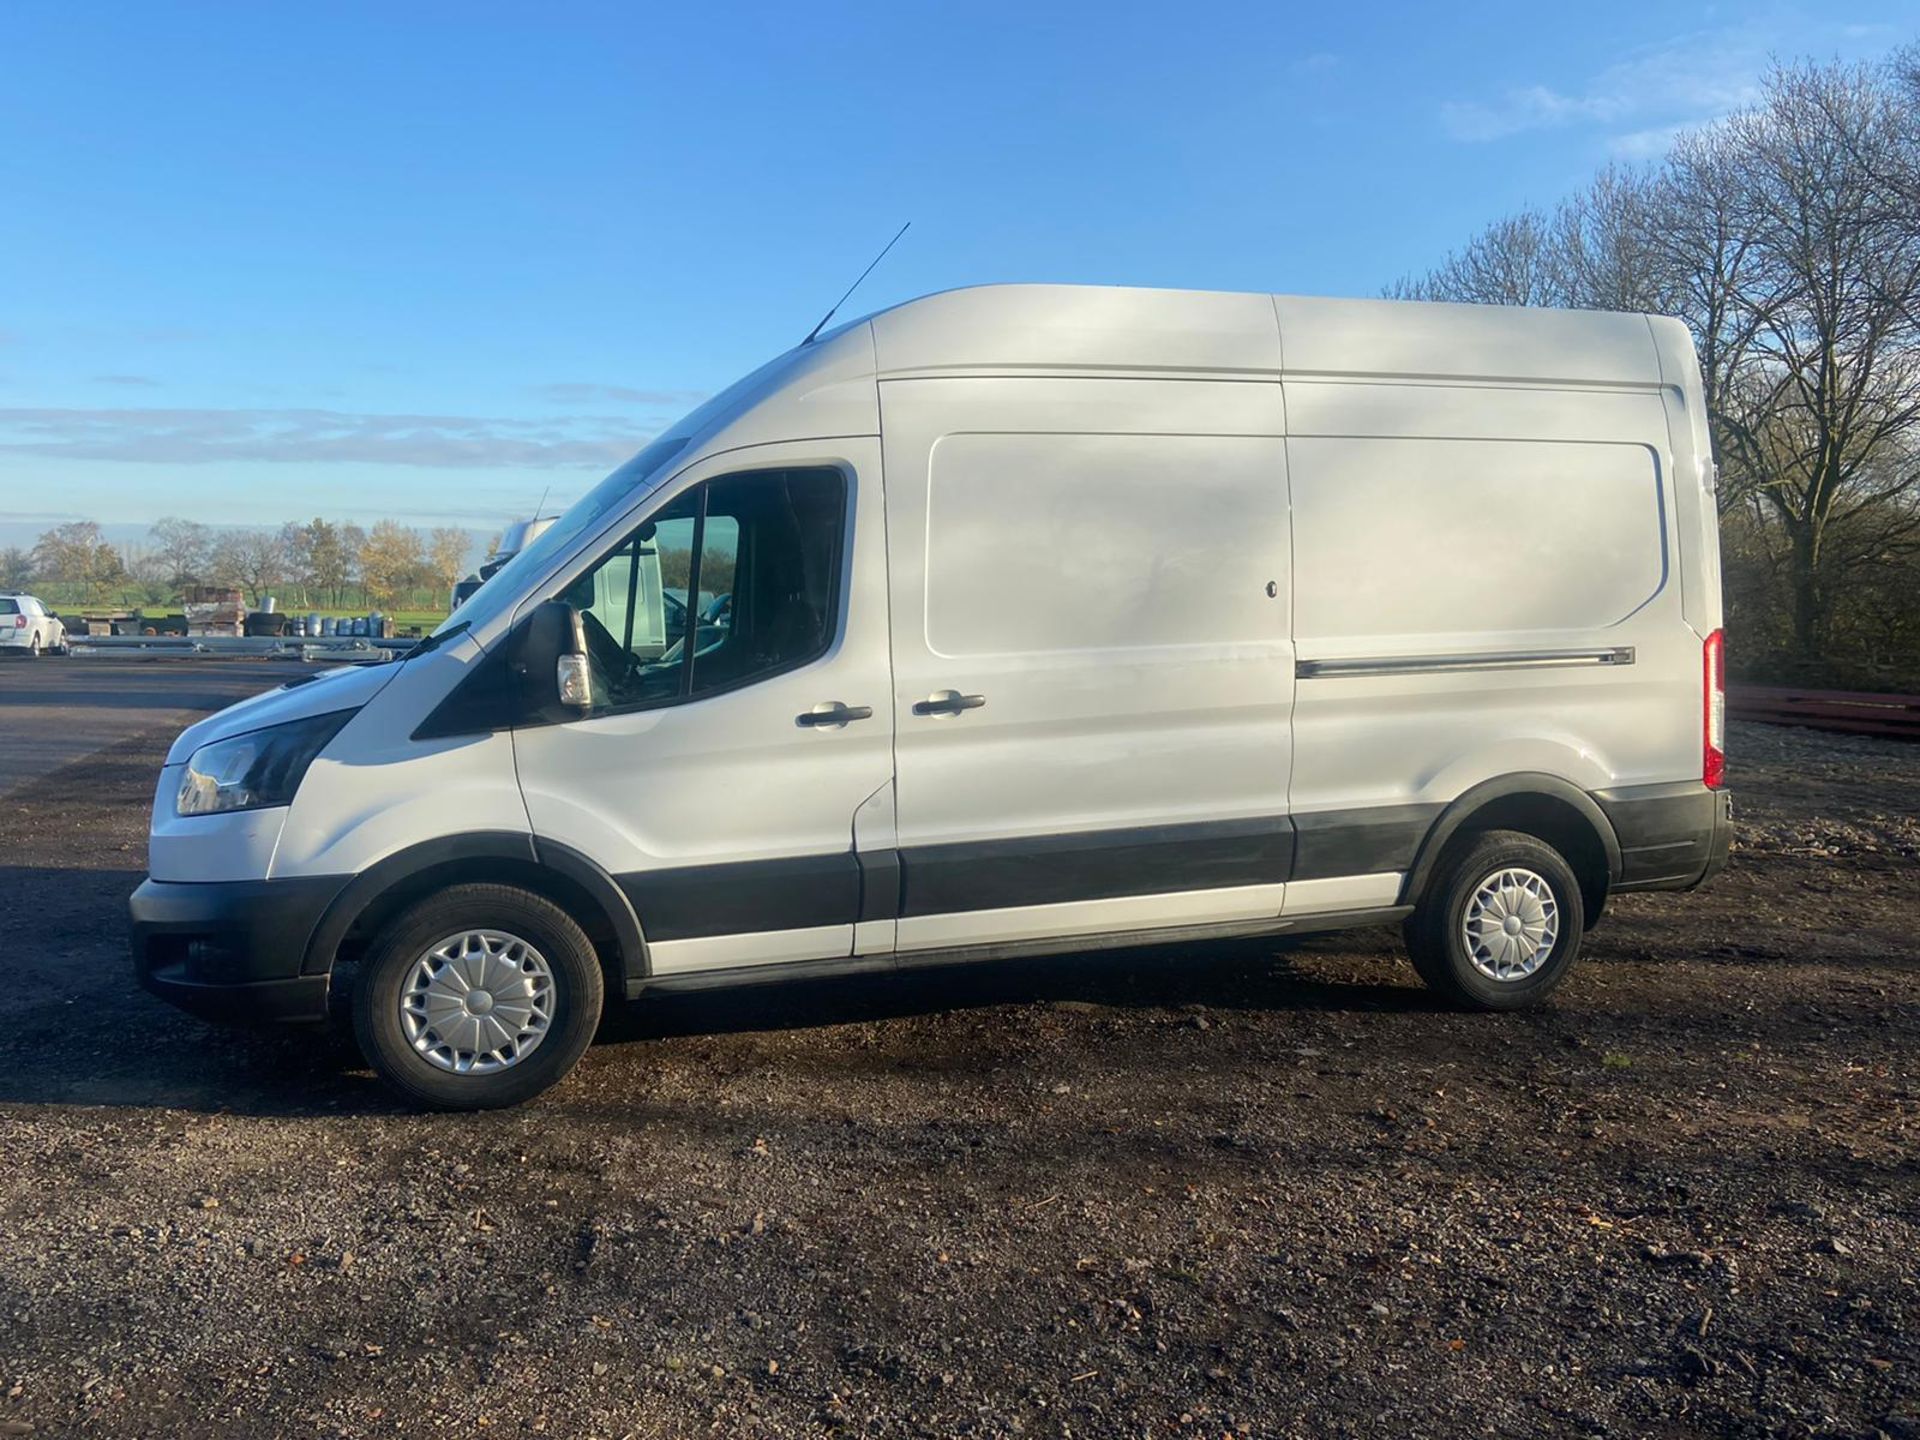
pixel 1596 250
pixel 1508 263
pixel 1788 236
pixel 1603 253
pixel 251 560
pixel 182 547
pixel 1834 371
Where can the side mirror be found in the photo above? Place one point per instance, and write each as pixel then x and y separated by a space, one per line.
pixel 553 662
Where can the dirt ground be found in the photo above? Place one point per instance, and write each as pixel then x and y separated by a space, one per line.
pixel 1201 1191
pixel 55 711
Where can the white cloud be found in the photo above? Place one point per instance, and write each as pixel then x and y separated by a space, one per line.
pixel 192 437
pixel 1684 80
pixel 1649 144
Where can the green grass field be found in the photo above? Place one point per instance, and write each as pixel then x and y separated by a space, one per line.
pixel 408 614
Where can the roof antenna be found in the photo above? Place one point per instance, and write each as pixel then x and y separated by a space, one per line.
pixel 543 500
pixel 856 284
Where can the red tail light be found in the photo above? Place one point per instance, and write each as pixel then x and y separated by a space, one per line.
pixel 1713 755
pixel 19 622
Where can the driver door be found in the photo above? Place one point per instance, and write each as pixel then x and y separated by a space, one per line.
pixel 737 645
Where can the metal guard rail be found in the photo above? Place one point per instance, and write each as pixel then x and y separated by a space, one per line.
pixel 358 649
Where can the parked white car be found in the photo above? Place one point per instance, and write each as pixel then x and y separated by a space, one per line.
pixel 1058 619
pixel 28 628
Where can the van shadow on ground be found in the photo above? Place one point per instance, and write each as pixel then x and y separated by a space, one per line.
pixel 1252 974
pixel 87 1035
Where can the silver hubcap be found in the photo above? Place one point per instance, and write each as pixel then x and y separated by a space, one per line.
pixel 1511 925
pixel 477 1002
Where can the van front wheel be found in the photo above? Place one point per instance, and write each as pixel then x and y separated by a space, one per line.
pixel 478 997
pixel 1500 924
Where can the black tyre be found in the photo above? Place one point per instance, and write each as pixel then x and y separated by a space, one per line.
pixel 1500 924
pixel 478 997
pixel 33 648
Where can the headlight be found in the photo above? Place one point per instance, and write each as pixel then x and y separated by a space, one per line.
pixel 251 771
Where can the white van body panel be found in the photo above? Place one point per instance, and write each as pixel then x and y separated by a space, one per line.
pixel 1426 342
pixel 1174 610
pixel 1092 559
pixel 967 928
pixel 1696 509
pixel 1342 894
pixel 1064 329
pixel 1522 519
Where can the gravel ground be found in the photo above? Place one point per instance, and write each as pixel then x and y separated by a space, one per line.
pixel 1201 1191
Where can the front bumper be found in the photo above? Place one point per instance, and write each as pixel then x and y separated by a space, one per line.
pixel 232 949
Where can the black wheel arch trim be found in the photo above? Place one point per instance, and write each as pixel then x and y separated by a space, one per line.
pixel 636 964
pixel 366 889
pixel 1471 801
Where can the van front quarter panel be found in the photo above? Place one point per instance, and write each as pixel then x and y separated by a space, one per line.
pixel 377 791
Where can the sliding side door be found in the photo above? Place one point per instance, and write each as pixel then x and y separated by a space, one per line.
pixel 1092 663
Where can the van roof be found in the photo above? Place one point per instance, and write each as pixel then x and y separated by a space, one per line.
pixel 1006 329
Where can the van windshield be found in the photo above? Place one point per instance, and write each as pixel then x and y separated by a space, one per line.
pixel 506 586
pixel 503 587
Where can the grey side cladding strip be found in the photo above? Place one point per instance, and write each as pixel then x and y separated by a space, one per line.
pixel 1097 865
pixel 690 902
pixel 1371 841
pixel 1444 664
pixel 687 902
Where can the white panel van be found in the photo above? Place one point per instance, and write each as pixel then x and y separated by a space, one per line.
pixel 1014 619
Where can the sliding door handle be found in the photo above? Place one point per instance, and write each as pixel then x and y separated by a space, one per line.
pixel 834 713
pixel 948 702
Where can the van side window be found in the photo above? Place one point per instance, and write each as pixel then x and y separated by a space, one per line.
pixel 737 579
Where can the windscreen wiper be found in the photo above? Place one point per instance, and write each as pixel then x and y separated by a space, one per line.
pixel 436 640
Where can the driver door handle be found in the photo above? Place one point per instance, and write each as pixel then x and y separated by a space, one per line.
pixel 834 713
pixel 948 702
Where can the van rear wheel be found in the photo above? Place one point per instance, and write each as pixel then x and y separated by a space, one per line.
pixel 1500 924
pixel 478 997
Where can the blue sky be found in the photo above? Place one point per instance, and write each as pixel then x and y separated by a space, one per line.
pixel 429 261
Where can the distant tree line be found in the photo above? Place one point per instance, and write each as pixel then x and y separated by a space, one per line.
pixel 318 564
pixel 1787 236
